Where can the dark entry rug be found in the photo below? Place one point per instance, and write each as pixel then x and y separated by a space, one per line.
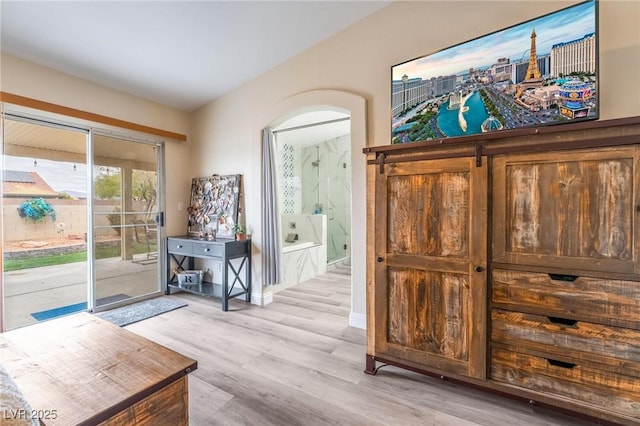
pixel 140 311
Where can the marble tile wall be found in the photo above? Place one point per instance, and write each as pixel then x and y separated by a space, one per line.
pixel 309 227
pixel 326 188
pixel 290 183
pixel 301 265
pixel 317 179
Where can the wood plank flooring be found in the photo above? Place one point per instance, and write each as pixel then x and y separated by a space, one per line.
pixel 297 362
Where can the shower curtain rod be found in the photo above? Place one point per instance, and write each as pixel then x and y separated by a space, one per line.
pixel 320 123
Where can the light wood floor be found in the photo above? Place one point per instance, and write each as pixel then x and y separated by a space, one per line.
pixel 296 362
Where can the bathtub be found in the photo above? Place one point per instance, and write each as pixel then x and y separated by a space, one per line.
pixel 305 257
pixel 297 245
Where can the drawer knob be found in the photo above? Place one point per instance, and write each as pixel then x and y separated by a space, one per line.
pixel 206 249
pixel 379 259
pixel 478 269
pixel 179 246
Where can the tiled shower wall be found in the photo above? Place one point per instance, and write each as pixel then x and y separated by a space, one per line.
pixel 289 179
pixel 323 188
pixel 326 189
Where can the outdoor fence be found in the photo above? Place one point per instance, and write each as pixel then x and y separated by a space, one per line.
pixel 70 223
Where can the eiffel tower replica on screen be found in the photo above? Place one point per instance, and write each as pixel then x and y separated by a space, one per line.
pixel 533 79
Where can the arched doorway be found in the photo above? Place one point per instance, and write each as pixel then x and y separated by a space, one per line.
pixel 355 107
pixel 314 165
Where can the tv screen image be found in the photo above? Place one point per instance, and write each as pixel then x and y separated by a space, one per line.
pixel 540 72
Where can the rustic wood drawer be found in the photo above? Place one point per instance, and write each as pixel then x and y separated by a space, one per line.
pixel 567 377
pixel 179 246
pixel 596 300
pixel 613 348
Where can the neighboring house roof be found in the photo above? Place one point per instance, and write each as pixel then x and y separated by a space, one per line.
pixel 25 184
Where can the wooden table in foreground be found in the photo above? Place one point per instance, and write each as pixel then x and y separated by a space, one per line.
pixel 81 370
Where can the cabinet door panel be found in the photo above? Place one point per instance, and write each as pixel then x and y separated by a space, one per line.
pixel 428 214
pixel 430 238
pixel 427 311
pixel 571 210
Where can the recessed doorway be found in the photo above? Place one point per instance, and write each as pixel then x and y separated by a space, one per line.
pixel 314 152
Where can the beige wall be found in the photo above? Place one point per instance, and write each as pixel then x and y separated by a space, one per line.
pixel 358 61
pixel 224 136
pixel 34 81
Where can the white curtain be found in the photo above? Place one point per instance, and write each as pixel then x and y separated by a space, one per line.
pixel 270 221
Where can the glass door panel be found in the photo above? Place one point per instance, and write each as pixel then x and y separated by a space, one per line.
pixel 326 190
pixel 125 210
pixel 44 221
pixel 338 202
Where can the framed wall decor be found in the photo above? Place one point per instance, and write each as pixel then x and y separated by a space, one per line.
pixel 214 205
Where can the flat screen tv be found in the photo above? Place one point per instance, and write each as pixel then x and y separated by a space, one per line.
pixel 540 72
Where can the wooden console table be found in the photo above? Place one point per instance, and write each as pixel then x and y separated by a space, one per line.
pixel 181 249
pixel 81 370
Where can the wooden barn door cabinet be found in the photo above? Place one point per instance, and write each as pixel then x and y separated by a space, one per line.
pixel 512 262
pixel 430 267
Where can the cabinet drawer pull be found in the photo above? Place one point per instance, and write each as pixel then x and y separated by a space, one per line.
pixel 563 321
pixel 563 277
pixel 207 249
pixel 179 246
pixel 561 364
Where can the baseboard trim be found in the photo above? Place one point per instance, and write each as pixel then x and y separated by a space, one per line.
pixel 262 299
pixel 358 320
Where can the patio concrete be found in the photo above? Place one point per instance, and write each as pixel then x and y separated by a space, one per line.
pixel 39 289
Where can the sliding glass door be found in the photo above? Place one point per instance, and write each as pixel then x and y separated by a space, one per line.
pixel 126 219
pixel 44 221
pixel 81 219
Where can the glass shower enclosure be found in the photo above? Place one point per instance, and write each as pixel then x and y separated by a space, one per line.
pixel 326 189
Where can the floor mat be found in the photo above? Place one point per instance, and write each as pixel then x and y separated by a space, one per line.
pixel 141 310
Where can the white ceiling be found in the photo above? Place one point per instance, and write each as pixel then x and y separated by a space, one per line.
pixel 182 54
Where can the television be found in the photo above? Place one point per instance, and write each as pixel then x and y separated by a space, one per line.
pixel 543 71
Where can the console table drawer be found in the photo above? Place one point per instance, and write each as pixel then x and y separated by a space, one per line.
pixel 596 300
pixel 203 249
pixel 577 379
pixel 180 246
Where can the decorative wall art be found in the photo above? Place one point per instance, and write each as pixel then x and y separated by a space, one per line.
pixel 540 72
pixel 214 205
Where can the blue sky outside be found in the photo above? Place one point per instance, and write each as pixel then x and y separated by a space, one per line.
pixel 514 43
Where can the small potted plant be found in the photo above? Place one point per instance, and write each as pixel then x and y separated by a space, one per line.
pixel 239 231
